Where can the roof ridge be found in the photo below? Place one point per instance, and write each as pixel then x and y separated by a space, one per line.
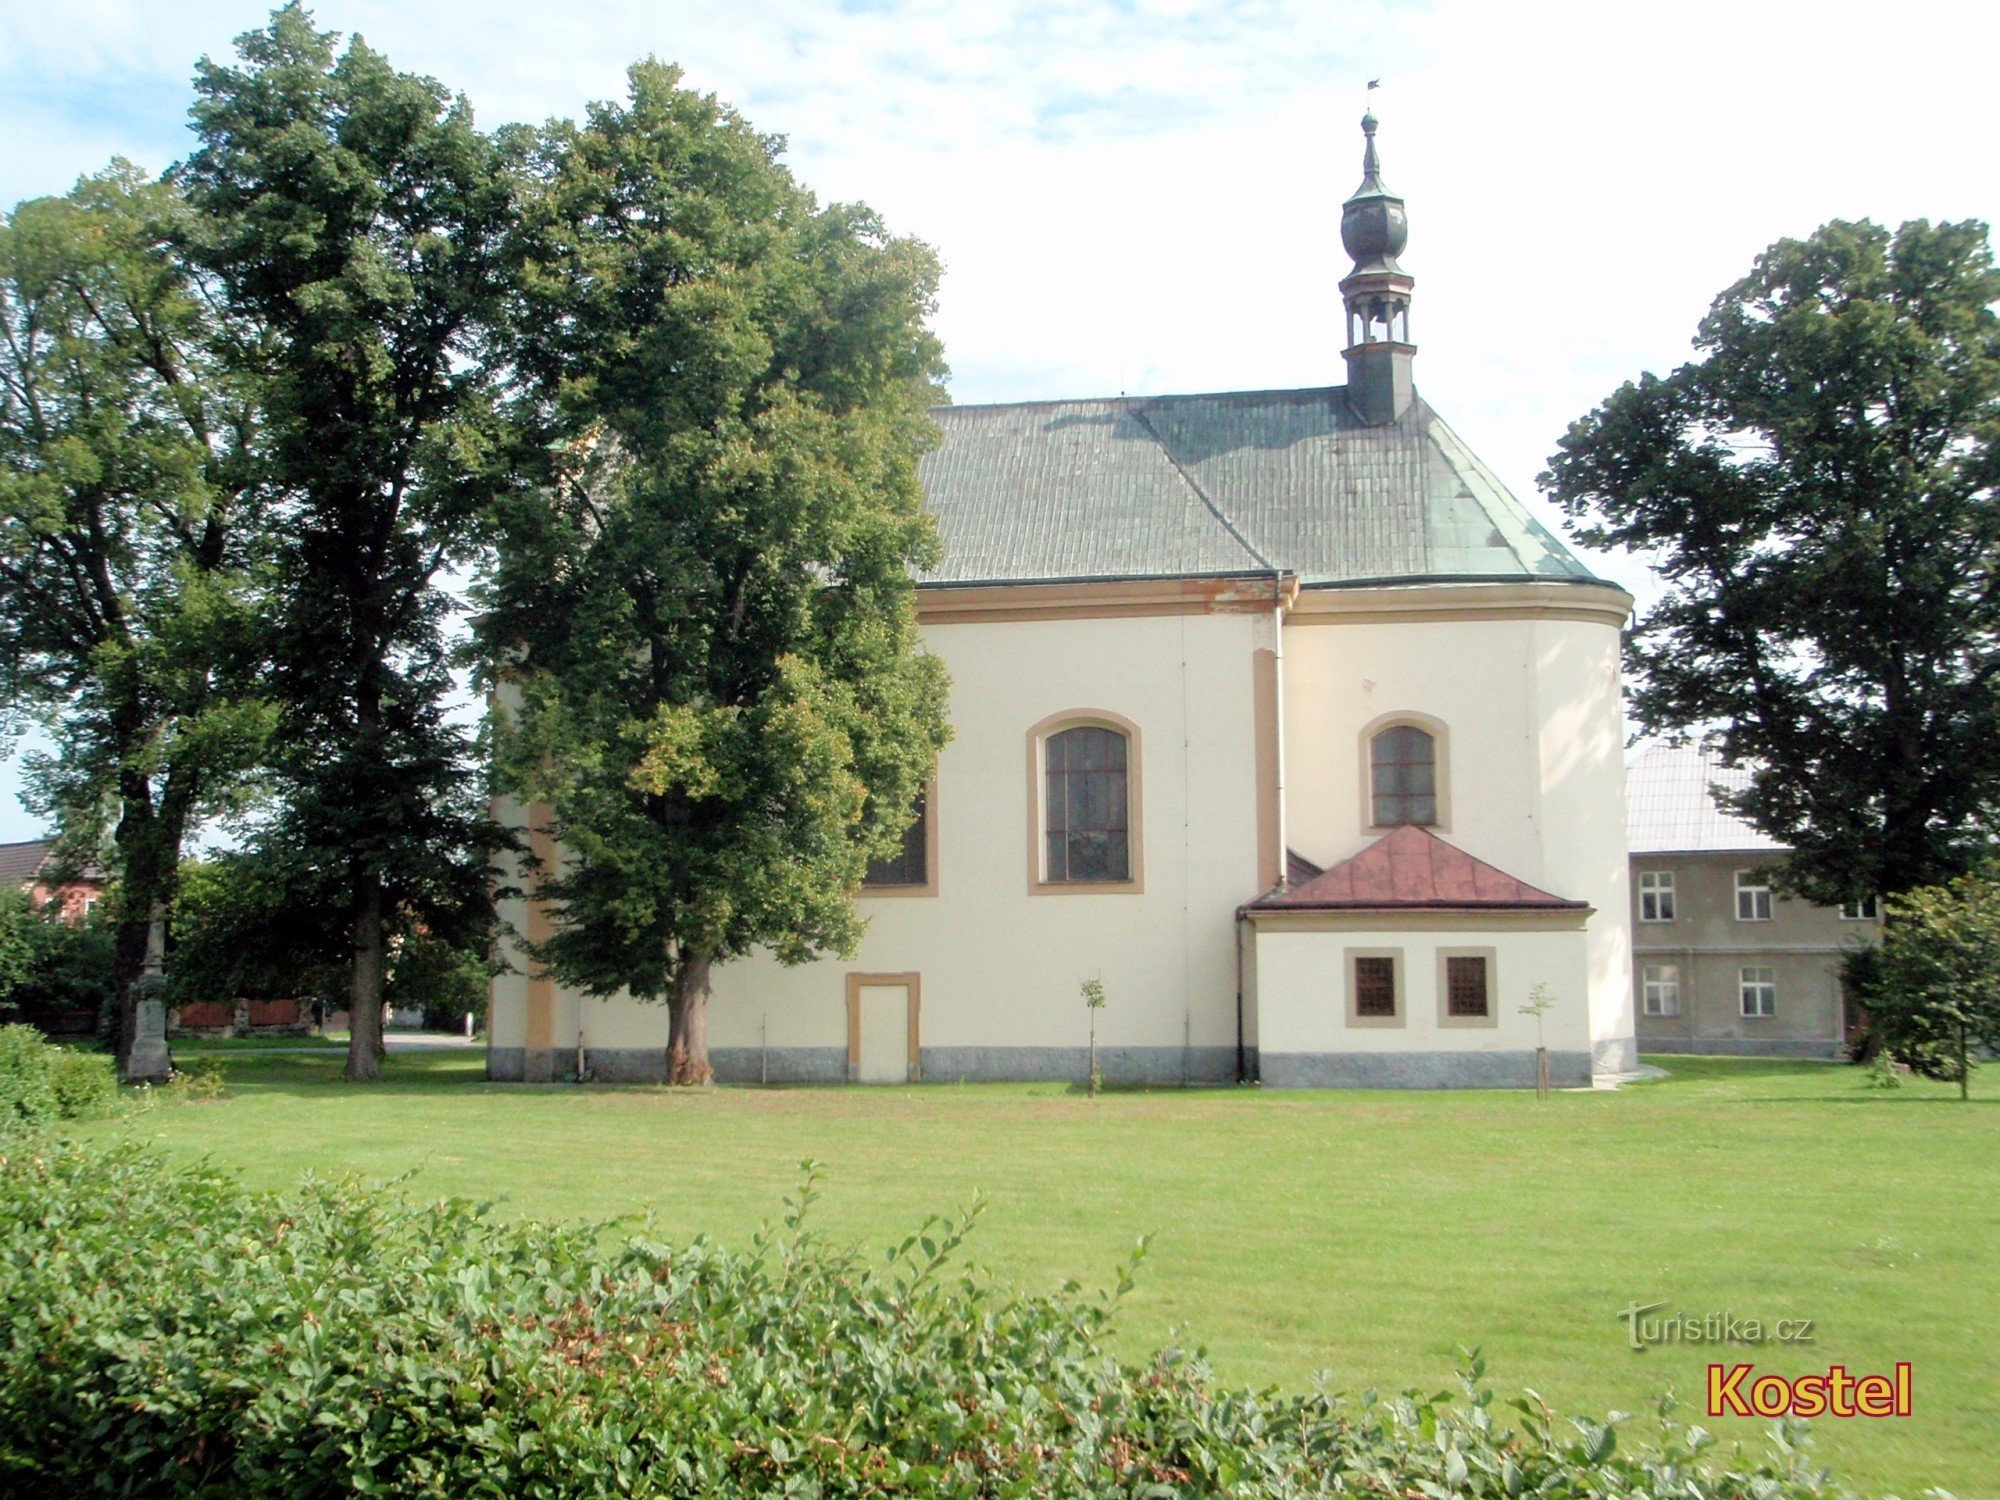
pixel 1337 888
pixel 1125 398
pixel 1139 414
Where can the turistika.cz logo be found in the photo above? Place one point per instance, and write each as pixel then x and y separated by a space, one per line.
pixel 1737 1391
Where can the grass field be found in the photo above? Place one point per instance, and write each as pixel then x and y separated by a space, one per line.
pixel 1367 1234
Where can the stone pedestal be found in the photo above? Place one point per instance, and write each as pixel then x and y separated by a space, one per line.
pixel 149 1062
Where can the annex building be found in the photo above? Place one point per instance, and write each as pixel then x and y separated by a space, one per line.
pixel 1723 962
pixel 1274 711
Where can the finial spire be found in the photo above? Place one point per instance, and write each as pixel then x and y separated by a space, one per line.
pixel 1374 229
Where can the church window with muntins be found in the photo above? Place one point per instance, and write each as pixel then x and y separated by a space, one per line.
pixel 1088 806
pixel 910 864
pixel 1403 777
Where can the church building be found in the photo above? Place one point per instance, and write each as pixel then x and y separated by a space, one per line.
pixel 1274 712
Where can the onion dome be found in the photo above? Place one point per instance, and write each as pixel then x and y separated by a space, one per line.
pixel 1373 226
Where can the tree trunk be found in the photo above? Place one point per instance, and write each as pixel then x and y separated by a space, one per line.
pixel 687 1022
pixel 1964 1064
pixel 364 1005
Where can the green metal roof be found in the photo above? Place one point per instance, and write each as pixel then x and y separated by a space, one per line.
pixel 1207 486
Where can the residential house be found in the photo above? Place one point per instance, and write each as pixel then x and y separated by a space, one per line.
pixel 1721 961
pixel 30 865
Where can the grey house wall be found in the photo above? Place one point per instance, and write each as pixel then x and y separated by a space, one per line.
pixel 1802 943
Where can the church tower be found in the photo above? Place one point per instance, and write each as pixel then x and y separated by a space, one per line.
pixel 1374 229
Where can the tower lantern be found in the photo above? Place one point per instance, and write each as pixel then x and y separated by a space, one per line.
pixel 1374 229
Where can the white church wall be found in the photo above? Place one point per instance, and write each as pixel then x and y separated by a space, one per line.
pixel 1000 965
pixel 1527 694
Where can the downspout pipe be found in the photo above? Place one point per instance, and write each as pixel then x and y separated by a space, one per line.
pixel 1242 1072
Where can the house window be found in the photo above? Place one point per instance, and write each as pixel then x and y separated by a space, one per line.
pixel 1753 896
pixel 910 865
pixel 1465 987
pixel 1660 989
pixel 1864 910
pixel 1374 986
pixel 1402 769
pixel 1757 987
pixel 1656 896
pixel 1087 806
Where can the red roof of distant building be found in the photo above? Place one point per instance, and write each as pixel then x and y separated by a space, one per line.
pixel 1413 869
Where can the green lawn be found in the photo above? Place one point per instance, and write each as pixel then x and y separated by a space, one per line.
pixel 1369 1234
pixel 202 1046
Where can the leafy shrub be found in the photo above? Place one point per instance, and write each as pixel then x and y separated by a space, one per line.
pixel 27 1082
pixel 199 1082
pixel 163 1331
pixel 85 1084
pixel 40 1082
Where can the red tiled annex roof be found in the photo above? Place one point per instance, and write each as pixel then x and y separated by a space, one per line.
pixel 1413 869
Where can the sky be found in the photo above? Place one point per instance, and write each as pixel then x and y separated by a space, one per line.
pixel 1143 196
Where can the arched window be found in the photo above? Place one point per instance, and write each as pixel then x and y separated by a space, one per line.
pixel 1403 780
pixel 1087 813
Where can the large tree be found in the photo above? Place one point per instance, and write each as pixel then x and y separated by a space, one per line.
pixel 1818 491
pixel 706 613
pixel 359 218
pixel 133 527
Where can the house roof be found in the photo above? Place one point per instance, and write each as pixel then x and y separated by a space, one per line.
pixel 29 859
pixel 1412 869
pixel 1253 482
pixel 1671 809
pixel 22 862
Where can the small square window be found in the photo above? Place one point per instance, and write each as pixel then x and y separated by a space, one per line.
pixel 1757 988
pixel 1656 896
pixel 1753 896
pixel 1864 910
pixel 1374 986
pixel 1465 987
pixel 1660 989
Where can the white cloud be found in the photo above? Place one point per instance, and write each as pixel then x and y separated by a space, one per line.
pixel 1145 196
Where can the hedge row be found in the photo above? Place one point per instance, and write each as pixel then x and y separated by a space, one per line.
pixel 168 1332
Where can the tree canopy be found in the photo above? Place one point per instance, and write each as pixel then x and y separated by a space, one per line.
pixel 1818 491
pixel 358 218
pixel 135 526
pixel 705 615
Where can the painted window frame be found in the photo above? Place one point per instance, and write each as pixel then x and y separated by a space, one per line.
pixel 1445 1019
pixel 1867 909
pixel 1757 886
pixel 929 885
pixel 1399 981
pixel 1765 991
pixel 1659 990
pixel 1038 784
pixel 1664 893
pixel 1440 735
